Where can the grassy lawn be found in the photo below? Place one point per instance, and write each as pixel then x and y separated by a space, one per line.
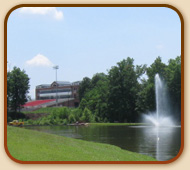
pixel 118 124
pixel 43 110
pixel 29 145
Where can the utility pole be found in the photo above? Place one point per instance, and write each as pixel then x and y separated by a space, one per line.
pixel 56 68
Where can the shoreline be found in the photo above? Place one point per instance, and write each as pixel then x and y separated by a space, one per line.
pixel 63 148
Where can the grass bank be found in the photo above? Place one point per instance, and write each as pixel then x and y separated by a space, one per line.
pixel 43 110
pixel 28 145
pixel 59 116
pixel 119 124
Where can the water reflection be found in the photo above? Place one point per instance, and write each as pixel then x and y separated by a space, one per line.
pixel 162 143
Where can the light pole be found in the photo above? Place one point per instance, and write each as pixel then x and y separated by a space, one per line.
pixel 56 67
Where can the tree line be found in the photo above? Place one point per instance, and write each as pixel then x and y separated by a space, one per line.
pixel 128 90
pixel 121 95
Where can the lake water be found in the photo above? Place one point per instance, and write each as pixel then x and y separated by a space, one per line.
pixel 162 143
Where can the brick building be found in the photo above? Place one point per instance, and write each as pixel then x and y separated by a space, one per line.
pixel 65 92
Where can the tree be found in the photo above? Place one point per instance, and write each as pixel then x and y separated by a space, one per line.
pixel 83 104
pixel 98 77
pixel 17 89
pixel 173 78
pixel 95 99
pixel 85 86
pixel 171 74
pixel 123 87
pixel 146 95
pixel 156 67
pixel 124 94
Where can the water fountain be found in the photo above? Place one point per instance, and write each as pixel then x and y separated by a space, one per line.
pixel 162 116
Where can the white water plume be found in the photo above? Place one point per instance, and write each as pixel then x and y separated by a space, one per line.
pixel 162 116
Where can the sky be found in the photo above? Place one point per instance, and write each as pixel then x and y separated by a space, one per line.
pixel 89 40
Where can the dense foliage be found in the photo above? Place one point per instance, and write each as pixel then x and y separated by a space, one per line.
pixel 60 116
pixel 17 89
pixel 123 88
pixel 121 95
pixel 124 93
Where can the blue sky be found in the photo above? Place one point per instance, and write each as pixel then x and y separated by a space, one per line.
pixel 85 41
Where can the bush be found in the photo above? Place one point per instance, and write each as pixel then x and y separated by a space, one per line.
pixel 87 115
pixel 63 112
pixel 63 116
pixel 77 113
pixel 65 121
pixel 72 118
pixel 15 115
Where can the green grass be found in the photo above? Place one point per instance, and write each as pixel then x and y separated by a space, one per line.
pixel 43 110
pixel 29 145
pixel 118 124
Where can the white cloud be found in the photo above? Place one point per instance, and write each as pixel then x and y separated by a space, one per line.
pixel 50 11
pixel 39 60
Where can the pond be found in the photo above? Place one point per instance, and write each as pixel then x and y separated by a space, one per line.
pixel 162 143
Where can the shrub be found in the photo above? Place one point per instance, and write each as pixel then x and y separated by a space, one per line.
pixel 72 118
pixel 63 112
pixel 15 115
pixel 65 121
pixel 77 113
pixel 87 115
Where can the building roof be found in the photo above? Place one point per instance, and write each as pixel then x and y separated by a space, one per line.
pixel 37 102
pixel 43 86
pixel 59 83
pixel 76 83
pixel 63 83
